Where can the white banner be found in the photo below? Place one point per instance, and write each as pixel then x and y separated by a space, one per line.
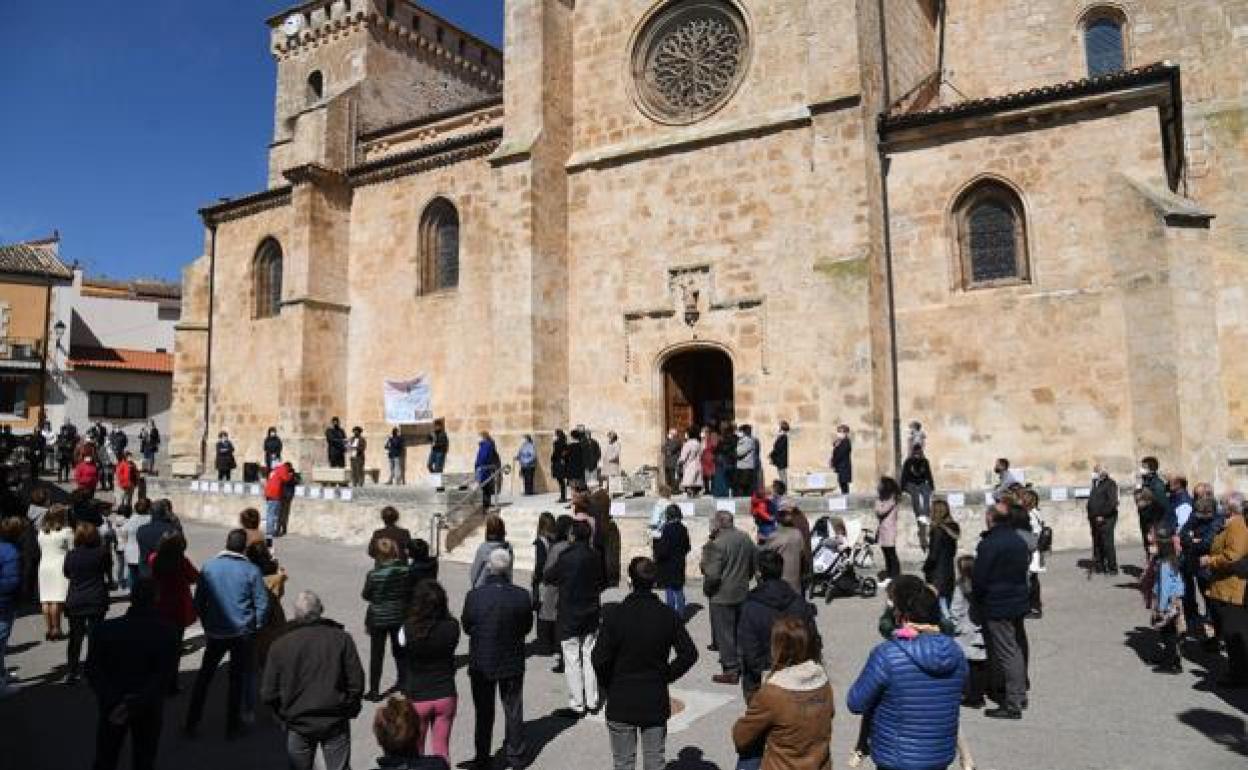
pixel 408 401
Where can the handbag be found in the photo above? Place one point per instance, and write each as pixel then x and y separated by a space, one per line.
pixel 1045 542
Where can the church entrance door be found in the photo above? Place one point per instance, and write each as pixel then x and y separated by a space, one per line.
pixel 697 388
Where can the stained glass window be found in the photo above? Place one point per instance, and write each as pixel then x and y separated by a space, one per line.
pixel 1103 41
pixel 268 279
pixel 439 247
pixel 992 235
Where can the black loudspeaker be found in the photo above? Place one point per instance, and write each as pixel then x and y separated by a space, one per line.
pixel 251 473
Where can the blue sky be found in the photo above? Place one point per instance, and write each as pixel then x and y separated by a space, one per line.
pixel 121 119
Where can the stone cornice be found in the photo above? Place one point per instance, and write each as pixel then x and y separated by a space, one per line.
pixel 315 174
pixel 313 303
pixel 246 206
pixel 447 152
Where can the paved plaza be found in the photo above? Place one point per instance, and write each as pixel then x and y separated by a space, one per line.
pixel 1094 704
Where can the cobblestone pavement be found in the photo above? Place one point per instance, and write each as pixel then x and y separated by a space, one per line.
pixel 1094 704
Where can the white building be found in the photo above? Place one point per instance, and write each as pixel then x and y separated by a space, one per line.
pixel 113 355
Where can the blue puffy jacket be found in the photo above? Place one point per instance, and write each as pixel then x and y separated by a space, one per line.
pixel 231 597
pixel 914 689
pixel 10 575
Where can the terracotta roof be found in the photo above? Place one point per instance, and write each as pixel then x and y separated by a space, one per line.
pixel 37 258
pixel 141 288
pixel 121 359
pixel 1158 72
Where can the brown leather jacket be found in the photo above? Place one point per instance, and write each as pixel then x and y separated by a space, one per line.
pixel 1228 547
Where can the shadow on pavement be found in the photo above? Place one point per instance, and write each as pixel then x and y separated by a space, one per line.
pixel 691 758
pixel 1145 642
pixel 1224 729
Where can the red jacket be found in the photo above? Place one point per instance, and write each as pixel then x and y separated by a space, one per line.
pixel 274 488
pixel 86 475
pixel 173 593
pixel 126 475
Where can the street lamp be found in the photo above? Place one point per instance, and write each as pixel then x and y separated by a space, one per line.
pixel 59 328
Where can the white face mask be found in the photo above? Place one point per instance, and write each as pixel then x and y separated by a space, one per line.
pixel 1143 471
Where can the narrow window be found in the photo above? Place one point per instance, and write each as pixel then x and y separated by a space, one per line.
pixel 441 35
pixel 389 9
pixel 992 235
pixel 316 87
pixel 439 247
pixel 1104 42
pixel 267 279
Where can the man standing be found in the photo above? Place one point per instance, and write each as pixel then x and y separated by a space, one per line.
pixel 149 445
pixel 671 458
pixel 593 459
pixel 314 682
pixel 127 479
pixel 728 563
pixel 1180 501
pixel 773 598
pixel 148 536
pixel 232 603
pixel 579 576
pixel 912 685
pixel 747 462
pixel 274 496
pixel 1102 519
pixel 917 481
pixel 787 541
pixel 842 458
pixel 128 667
pixel 497 616
pixel 357 446
pixel 336 444
pixel 633 661
pixel 1000 588
pixel 1006 479
pixel 441 445
pixel 780 453
pixel 1150 479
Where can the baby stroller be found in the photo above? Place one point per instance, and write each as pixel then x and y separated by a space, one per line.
pixel 841 555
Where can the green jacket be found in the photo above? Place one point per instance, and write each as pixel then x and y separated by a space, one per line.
pixel 386 590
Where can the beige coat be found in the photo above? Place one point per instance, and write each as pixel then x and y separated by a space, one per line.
pixel 794 711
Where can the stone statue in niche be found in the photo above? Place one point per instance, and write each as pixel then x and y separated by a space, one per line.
pixel 689 296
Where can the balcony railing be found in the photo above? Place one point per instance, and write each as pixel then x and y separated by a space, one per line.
pixel 24 349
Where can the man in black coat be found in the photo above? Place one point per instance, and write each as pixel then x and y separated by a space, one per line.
pixel 336 444
pixel 771 599
pixel 128 665
pixel 1102 520
pixel 633 662
pixel 150 534
pixel 497 617
pixel 1001 592
pixel 780 453
pixel 578 574
pixel 314 683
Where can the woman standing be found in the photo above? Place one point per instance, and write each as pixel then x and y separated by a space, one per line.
pixel 710 442
pixel 386 589
pixel 1226 592
pixel 791 715
pixel 149 446
pixel 938 568
pixel 889 494
pixel 495 538
pixel 541 549
pixel 86 602
pixel 272 450
pixel 690 464
pixel 611 465
pixel 394 453
pixel 559 463
pixel 843 458
pixel 486 468
pixel 174 575
pixel 430 637
pixel 225 462
pixel 671 549
pixel 55 540
pixel 87 474
pixel 548 613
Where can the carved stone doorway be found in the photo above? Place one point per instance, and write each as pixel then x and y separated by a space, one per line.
pixel 697 388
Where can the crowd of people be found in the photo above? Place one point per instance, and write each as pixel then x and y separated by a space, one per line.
pixel 954 638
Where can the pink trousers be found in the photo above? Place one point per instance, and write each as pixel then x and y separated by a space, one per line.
pixel 436 718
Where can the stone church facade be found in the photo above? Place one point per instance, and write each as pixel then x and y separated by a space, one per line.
pixel 1021 222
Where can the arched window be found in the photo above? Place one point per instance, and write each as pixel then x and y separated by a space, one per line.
pixel 992 235
pixel 439 247
pixel 1104 41
pixel 267 279
pixel 316 87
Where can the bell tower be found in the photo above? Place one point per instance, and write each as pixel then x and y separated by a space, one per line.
pixel 347 67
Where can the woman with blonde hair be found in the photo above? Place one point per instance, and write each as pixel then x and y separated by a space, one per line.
pixel 55 539
pixel 791 714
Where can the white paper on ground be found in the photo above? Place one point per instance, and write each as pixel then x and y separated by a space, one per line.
pixel 840 503
pixel 989 498
pixel 301 491
pixel 956 500
pixel 817 481
pixel 194 486
pixel 686 510
pixel 1058 494
pixel 330 493
pixel 1082 493
pixel 254 490
pixel 726 505
pixel 617 510
pixel 347 494
pixel 214 487
pixel 435 479
pixel 314 493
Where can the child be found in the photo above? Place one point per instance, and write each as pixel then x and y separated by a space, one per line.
pixel 119 536
pixel 1167 604
pixel 764 513
pixel 969 634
